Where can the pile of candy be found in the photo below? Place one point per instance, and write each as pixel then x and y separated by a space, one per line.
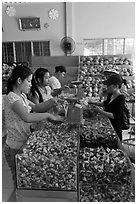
pixel 49 159
pixel 97 131
pixel 105 176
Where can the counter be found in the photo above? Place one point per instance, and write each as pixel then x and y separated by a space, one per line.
pixel 69 162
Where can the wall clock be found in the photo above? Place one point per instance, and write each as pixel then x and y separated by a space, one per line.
pixel 53 14
pixel 11 11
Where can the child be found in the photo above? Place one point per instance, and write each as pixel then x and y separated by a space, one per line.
pixel 18 114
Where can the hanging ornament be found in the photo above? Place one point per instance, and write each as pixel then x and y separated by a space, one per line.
pixel 11 11
pixel 53 14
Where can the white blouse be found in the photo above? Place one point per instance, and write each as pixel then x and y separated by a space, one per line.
pixel 54 83
pixel 17 130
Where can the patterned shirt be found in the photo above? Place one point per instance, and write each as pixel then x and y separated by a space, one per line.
pixel 17 130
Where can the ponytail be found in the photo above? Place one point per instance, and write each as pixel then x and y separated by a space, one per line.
pixel 38 75
pixel 35 89
pixel 9 85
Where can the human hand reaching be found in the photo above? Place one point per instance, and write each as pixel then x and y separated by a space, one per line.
pixel 56 118
pixel 96 108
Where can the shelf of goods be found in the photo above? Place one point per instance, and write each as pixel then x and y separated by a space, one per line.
pixel 91 72
pixel 71 162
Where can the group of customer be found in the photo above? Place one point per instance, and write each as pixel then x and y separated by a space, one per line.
pixel 31 95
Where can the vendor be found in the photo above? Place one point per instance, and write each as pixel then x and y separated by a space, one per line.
pixel 55 81
pixel 40 89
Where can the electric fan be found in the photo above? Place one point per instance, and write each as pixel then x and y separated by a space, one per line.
pixel 68 45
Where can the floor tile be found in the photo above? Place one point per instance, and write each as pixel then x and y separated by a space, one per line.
pixel 6 193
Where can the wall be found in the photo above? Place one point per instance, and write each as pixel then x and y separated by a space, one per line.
pixel 102 20
pixel 55 32
pixel 84 20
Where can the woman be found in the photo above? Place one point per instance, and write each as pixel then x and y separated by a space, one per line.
pixel 109 72
pixel 40 89
pixel 114 104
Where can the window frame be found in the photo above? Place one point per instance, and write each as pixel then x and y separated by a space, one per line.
pixel 23 46
pixel 104 45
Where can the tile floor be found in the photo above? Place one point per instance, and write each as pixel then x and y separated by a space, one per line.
pixel 7 183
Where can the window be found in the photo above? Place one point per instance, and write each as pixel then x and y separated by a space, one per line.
pixel 113 46
pixel 129 46
pixel 7 52
pixel 41 48
pixel 93 47
pixel 23 51
pixel 110 46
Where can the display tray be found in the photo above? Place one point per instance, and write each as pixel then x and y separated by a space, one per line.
pixel 49 160
pixel 45 196
pixel 105 175
pixel 84 160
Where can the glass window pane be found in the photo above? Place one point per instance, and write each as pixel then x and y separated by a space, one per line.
pixel 7 52
pixel 93 47
pixel 129 46
pixel 36 48
pixel 118 46
pixel 108 46
pixel 113 46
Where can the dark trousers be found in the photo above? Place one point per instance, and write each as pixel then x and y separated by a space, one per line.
pixel 10 158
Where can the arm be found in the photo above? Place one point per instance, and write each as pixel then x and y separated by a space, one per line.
pixel 116 109
pixel 97 103
pixel 42 107
pixel 105 113
pixel 22 112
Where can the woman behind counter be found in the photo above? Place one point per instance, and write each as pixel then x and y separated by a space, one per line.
pixel 114 104
pixel 40 90
pixel 18 115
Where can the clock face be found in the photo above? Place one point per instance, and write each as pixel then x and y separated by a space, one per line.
pixel 11 11
pixel 53 14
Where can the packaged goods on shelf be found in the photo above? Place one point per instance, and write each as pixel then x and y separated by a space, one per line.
pixel 92 68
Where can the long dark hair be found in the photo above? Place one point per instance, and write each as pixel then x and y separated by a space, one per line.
pixel 20 71
pixel 38 77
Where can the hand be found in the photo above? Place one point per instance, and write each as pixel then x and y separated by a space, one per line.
pixel 90 101
pixel 96 108
pixel 56 118
pixel 54 100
